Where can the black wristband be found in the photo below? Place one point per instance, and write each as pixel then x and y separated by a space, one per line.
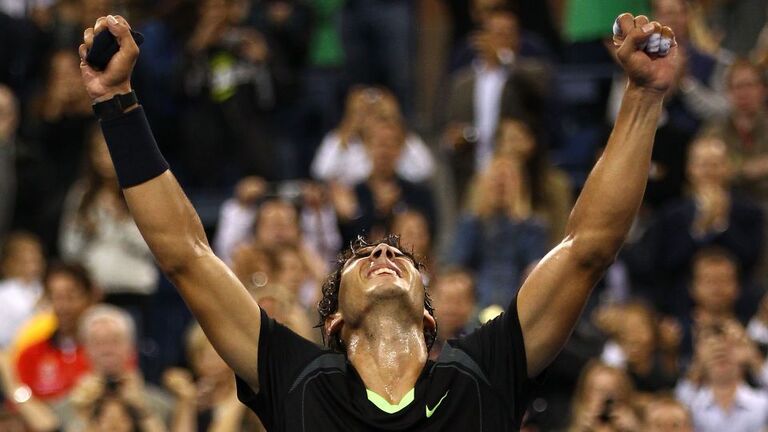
pixel 133 148
pixel 113 108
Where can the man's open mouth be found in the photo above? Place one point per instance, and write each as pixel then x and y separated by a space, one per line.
pixel 383 269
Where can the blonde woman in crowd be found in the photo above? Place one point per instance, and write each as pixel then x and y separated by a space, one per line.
pixel 497 238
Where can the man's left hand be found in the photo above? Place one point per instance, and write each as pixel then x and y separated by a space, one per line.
pixel 647 51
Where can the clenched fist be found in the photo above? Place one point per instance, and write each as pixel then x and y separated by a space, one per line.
pixel 116 78
pixel 647 51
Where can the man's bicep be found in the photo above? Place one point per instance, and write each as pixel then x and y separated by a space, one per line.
pixel 550 301
pixel 228 314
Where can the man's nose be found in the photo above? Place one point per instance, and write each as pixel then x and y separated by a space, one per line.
pixel 383 251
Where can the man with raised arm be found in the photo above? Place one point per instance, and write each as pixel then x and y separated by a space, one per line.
pixel 375 313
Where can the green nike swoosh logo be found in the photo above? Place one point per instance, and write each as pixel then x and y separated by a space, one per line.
pixel 432 411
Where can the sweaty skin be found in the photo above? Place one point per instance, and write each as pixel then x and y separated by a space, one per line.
pixel 381 319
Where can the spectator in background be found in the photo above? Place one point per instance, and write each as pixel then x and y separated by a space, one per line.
pixel 712 216
pixel 603 401
pixel 342 156
pixel 715 293
pixel 59 120
pixel 496 86
pixel 9 121
pixel 21 266
pixel 230 95
pixel 643 345
pixel 384 193
pixel 208 402
pixel 665 414
pixel 538 38
pixel 745 129
pixel 716 390
pixel 52 366
pixel 454 298
pixel 251 220
pixel 108 335
pixel 546 190
pixel 496 239
pixel 97 230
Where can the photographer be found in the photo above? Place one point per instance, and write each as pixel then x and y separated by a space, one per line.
pixel 108 335
pixel 601 402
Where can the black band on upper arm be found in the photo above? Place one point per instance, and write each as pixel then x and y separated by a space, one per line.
pixel 133 148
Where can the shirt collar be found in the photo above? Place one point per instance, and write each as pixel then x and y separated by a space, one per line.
pixel 740 398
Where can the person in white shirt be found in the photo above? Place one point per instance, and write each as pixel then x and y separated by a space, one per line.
pixel 21 265
pixel 715 390
pixel 342 156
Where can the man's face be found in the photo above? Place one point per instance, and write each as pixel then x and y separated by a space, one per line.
pixel 109 346
pixel 378 274
pixel 454 303
pixel 715 285
pixel 68 299
pixel 746 91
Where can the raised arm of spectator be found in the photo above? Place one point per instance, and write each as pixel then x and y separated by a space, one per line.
pixel 164 215
pixel 553 296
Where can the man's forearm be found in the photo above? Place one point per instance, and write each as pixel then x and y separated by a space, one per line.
pixel 161 210
pixel 613 192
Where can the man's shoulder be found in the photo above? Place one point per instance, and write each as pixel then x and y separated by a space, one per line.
pixel 328 362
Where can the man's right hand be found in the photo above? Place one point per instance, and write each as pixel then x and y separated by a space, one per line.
pixel 116 78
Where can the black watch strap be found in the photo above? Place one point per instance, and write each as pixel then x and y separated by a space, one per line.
pixel 115 107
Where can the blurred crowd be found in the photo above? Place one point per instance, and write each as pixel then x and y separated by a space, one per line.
pixel 466 126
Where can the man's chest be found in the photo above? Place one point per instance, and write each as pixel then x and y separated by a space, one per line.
pixel 449 400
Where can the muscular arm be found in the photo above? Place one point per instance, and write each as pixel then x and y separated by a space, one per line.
pixel 552 298
pixel 169 223
pixel 225 310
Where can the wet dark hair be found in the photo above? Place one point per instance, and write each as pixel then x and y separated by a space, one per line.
pixel 329 304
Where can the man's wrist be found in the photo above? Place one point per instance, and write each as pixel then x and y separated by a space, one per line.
pixel 111 93
pixel 115 107
pixel 644 94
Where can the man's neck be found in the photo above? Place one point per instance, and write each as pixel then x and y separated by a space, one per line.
pixel 388 353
